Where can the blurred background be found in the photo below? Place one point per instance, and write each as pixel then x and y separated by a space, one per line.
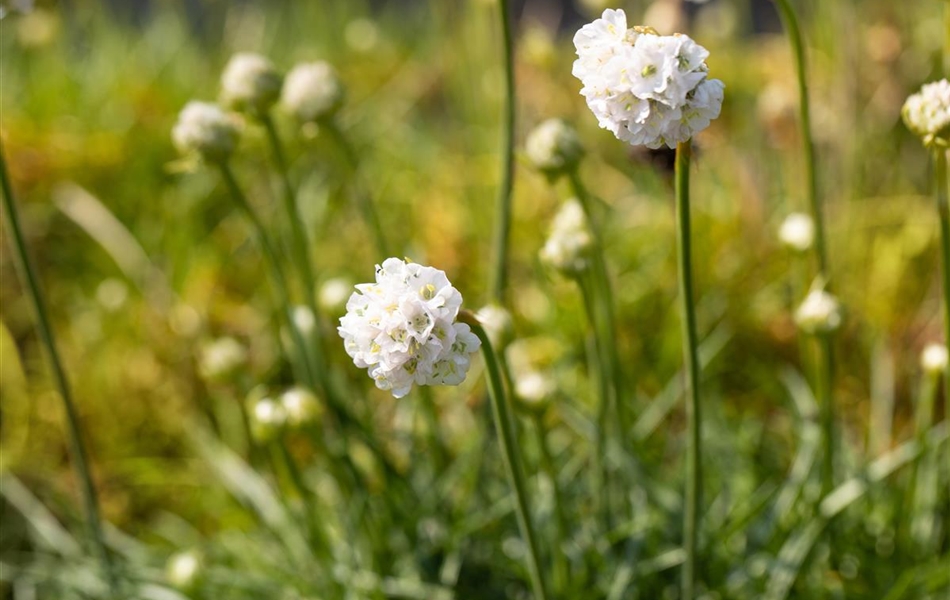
pixel 145 262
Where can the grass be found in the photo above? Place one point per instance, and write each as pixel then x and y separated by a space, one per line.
pixel 144 259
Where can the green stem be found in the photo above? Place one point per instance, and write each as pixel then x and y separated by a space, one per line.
pixel 691 358
pixel 431 417
pixel 510 453
pixel 808 145
pixel 317 535
pixel 943 208
pixel 277 272
pixel 76 446
pixel 824 374
pixel 560 518
pixel 503 203
pixel 363 199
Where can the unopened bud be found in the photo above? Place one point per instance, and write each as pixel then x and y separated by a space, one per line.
pixel 568 247
pixel 554 148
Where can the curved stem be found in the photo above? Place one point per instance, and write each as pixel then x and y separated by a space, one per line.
pixel 77 448
pixel 510 453
pixel 808 145
pixel 503 203
pixel 943 208
pixel 691 358
pixel 363 199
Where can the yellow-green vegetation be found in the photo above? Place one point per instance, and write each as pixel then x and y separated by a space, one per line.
pixel 236 456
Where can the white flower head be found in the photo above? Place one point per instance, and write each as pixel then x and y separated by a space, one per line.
pixel 221 357
pixel 797 232
pixel 934 359
pixel 553 147
pixel 819 313
pixel 567 248
pixel 403 328
pixel 312 92
pixel 647 89
pixel 184 569
pixel 300 406
pixel 204 128
pixel 927 113
pixel 250 83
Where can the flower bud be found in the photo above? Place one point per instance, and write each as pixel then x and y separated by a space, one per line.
pixel 934 359
pixel 267 419
pixel 498 324
pixel 204 128
pixel 797 232
pixel 554 148
pixel 333 295
pixel 819 313
pixel 220 358
pixel 927 113
pixel 184 570
pixel 312 92
pixel 300 406
pixel 250 83
pixel 568 247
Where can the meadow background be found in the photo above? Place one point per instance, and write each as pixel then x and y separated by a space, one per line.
pixel 144 261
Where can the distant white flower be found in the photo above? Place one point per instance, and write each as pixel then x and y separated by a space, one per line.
pixel 303 319
pixel 647 89
pixel 204 128
pixel 820 312
pixel 20 6
pixel 300 406
pixel 498 324
pixel 312 91
pixel 927 113
pixel 333 295
pixel 797 232
pixel 184 569
pixel 553 147
pixel 250 83
pixel 533 388
pixel 567 248
pixel 221 357
pixel 934 359
pixel 403 328
pixel 267 418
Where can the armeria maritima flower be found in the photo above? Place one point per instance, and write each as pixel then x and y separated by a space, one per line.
pixel 927 113
pixel 403 328
pixel 648 89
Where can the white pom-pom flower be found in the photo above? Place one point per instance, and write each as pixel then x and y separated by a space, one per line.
pixel 250 83
pixel 204 128
pixel 403 328
pixel 819 313
pixel 312 91
pixel 553 147
pixel 568 247
pixel 927 113
pixel 647 89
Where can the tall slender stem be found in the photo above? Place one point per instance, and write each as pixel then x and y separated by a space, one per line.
pixel 77 447
pixel 363 199
pixel 691 358
pixel 943 208
pixel 808 145
pixel 560 518
pixel 510 453
pixel 503 203
pixel 277 272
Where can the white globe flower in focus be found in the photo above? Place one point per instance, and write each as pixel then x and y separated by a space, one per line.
pixel 312 92
pixel 927 113
pixel 934 359
pixel 567 248
pixel 819 313
pixel 403 328
pixel 250 83
pixel 645 88
pixel 204 128
pixel 797 232
pixel 553 147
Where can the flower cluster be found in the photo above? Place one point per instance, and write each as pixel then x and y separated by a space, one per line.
pixel 648 89
pixel 927 113
pixel 568 247
pixel 403 328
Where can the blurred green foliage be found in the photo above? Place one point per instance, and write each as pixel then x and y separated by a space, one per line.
pixel 144 261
